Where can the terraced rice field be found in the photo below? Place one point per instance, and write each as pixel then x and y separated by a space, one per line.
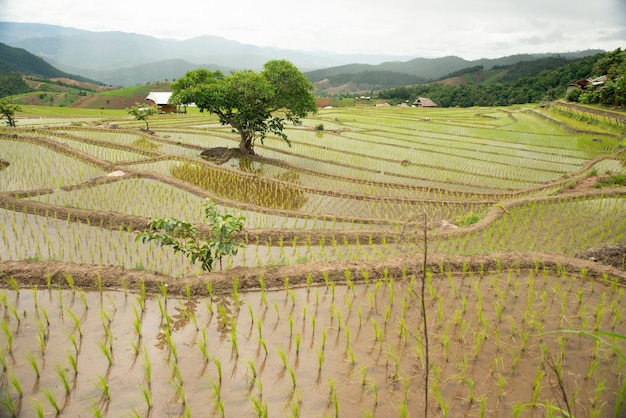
pixel 321 313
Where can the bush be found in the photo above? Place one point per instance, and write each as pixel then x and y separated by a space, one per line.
pixel 468 219
pixel 183 237
pixel 614 180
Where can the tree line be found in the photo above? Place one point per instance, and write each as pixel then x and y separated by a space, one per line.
pixel 547 85
pixel 613 91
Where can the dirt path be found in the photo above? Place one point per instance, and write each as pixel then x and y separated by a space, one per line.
pixel 44 273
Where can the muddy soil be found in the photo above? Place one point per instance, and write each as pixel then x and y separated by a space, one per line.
pixel 597 263
pixel 612 255
pixel 31 273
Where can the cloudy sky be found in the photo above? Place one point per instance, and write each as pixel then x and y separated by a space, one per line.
pixel 467 28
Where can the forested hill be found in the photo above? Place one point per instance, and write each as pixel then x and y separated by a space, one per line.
pixel 354 78
pixel 529 82
pixel 17 60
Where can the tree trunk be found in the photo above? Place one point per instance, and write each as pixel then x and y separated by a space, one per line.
pixel 246 146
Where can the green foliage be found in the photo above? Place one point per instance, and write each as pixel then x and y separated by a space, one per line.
pixel 142 111
pixel 184 237
pixel 468 219
pixel 17 60
pixel 12 83
pixel 614 180
pixel 529 82
pixel 533 68
pixel 464 71
pixel 254 104
pixel 368 80
pixel 7 110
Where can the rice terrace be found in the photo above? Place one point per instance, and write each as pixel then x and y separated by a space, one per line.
pixel 504 228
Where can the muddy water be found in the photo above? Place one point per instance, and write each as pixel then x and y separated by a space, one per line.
pixel 351 350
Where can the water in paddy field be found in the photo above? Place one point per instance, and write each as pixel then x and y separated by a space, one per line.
pixel 354 349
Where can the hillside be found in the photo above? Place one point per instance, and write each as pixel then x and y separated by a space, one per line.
pixel 478 75
pixel 447 70
pixel 17 60
pixel 69 93
pixel 529 82
pixel 146 73
pixel 97 54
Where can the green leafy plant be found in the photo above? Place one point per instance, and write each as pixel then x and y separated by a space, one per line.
pixel 184 237
pixel 142 111
pixel 7 110
pixel 612 181
pixel 468 219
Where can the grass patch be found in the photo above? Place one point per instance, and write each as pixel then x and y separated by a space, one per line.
pixel 468 219
pixel 612 181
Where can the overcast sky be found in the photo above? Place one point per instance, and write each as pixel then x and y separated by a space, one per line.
pixel 470 29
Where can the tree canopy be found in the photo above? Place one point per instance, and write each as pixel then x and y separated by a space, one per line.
pixel 529 82
pixel 254 104
pixel 7 110
pixel 12 83
pixel 142 111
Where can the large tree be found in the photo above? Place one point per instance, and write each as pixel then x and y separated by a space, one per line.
pixel 254 104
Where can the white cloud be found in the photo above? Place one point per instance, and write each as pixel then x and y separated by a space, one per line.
pixel 468 28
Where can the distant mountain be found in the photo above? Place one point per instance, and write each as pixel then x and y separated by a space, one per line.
pixel 448 70
pixel 146 73
pixel 143 59
pixel 17 60
pixel 11 32
pixel 94 53
pixel 435 68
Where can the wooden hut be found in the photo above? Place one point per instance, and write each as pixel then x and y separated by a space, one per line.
pixel 424 102
pixel 160 100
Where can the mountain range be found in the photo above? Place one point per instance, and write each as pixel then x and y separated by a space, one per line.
pixel 143 59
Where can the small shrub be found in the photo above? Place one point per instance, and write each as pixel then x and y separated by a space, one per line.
pixel 614 180
pixel 184 237
pixel 468 219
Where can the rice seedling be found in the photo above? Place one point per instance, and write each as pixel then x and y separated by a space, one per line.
pixel 282 356
pixel 137 323
pixel 8 334
pixel 102 385
pixel 52 400
pixel 106 351
pixel 12 281
pixel 63 377
pixel 73 360
pixel 76 321
pixel 38 407
pixel 292 374
pixel 171 345
pixel 16 385
pixel 260 407
pixel 233 337
pixel 11 407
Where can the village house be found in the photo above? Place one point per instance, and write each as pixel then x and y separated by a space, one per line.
pixel 424 102
pixel 587 84
pixel 160 99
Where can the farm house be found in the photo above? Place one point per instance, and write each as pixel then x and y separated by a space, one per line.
pixel 160 99
pixel 588 83
pixel 424 102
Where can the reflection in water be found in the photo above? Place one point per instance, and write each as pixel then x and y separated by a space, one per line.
pixel 185 311
pixel 356 345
